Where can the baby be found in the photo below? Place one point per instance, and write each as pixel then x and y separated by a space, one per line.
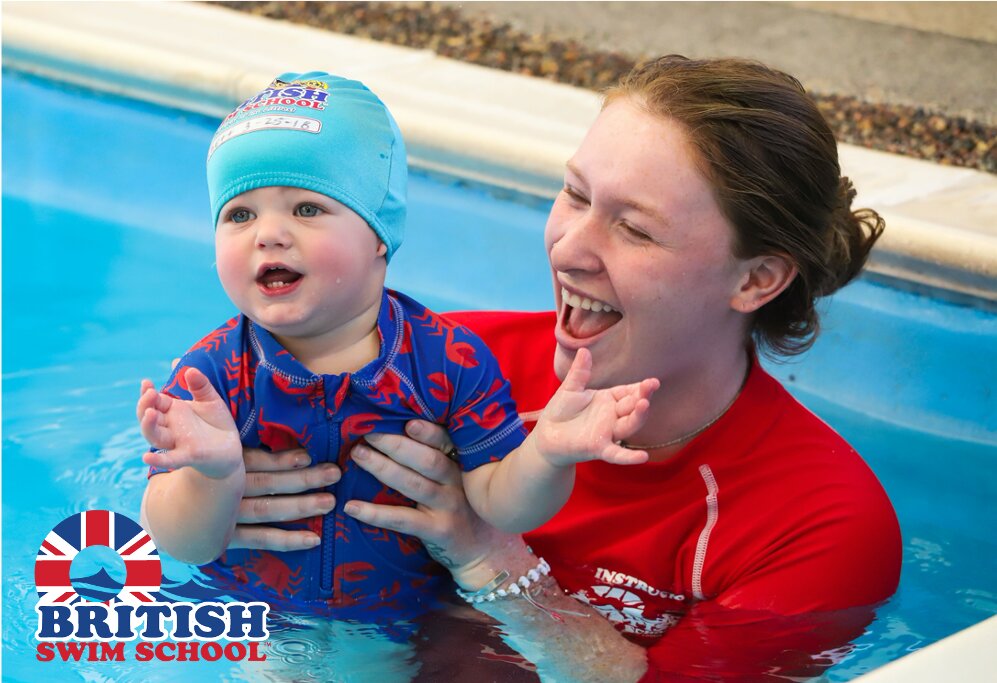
pixel 307 182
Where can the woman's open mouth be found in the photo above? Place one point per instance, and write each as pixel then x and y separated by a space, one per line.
pixel 276 280
pixel 584 318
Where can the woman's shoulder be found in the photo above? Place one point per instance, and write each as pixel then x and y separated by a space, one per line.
pixel 499 326
pixel 791 454
pixel 806 519
pixel 523 343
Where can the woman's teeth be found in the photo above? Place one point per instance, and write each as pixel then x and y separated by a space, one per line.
pixel 581 302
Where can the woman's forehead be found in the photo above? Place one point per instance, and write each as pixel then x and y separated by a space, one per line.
pixel 642 161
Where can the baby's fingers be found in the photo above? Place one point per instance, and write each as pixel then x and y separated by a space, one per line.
pixel 165 460
pixel 154 429
pixel 647 387
pixel 153 399
pixel 579 372
pixel 626 405
pixel 628 423
pixel 618 455
pixel 642 389
pixel 146 398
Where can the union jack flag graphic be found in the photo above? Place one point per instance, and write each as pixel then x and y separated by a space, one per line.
pixel 97 528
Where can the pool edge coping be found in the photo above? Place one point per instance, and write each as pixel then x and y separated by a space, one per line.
pixel 491 126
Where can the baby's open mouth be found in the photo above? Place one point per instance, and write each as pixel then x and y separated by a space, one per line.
pixel 583 318
pixel 277 277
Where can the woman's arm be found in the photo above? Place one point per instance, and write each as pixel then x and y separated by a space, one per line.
pixel 564 638
pixel 732 636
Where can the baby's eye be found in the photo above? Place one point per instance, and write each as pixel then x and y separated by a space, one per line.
pixel 240 215
pixel 308 210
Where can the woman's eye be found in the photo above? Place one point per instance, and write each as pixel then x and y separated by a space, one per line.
pixel 240 215
pixel 308 210
pixel 573 195
pixel 635 233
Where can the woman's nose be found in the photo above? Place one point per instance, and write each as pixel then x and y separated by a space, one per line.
pixel 575 245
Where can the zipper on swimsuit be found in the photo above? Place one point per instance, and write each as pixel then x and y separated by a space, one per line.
pixel 328 559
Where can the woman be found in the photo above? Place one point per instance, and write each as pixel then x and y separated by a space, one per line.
pixel 700 219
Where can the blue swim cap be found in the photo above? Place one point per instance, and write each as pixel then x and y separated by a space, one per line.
pixel 321 133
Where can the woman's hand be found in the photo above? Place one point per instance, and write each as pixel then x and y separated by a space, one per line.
pixel 442 519
pixel 275 492
pixel 276 486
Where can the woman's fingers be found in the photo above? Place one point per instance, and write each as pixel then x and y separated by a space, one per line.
pixel 258 460
pixel 429 434
pixel 284 508
pixel 398 518
pixel 271 538
pixel 399 476
pixel 268 483
pixel 420 458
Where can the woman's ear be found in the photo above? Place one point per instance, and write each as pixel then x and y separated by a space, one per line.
pixel 764 279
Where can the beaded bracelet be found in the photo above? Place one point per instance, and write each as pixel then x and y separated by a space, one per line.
pixel 491 591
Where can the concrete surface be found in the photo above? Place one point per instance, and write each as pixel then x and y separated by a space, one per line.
pixel 832 47
pixel 973 20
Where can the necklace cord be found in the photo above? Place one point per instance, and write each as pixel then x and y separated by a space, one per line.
pixel 696 432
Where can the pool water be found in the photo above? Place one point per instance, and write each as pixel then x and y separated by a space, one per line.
pixel 103 196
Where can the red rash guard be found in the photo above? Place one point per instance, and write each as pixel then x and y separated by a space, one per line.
pixel 737 559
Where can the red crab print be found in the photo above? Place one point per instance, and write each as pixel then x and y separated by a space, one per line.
pixel 214 340
pixel 388 388
pixel 281 437
pixel 274 573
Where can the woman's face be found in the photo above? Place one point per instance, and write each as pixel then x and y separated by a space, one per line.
pixel 637 238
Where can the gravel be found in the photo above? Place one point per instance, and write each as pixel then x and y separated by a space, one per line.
pixel 912 131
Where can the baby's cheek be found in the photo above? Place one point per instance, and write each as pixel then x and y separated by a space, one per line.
pixel 230 267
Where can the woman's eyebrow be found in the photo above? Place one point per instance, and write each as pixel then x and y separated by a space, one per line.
pixel 575 171
pixel 637 206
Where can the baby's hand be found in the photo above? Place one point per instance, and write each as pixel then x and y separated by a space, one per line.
pixel 199 433
pixel 582 424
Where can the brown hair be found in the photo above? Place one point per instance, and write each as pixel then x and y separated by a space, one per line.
pixel 773 163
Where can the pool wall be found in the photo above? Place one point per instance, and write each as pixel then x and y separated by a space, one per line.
pixel 501 128
pixel 516 132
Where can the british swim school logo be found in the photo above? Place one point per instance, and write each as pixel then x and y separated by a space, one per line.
pixel 91 618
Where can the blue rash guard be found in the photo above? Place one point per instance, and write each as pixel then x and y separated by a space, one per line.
pixel 427 367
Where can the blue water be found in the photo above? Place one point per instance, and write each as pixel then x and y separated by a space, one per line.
pixel 102 197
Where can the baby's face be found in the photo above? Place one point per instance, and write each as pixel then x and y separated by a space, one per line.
pixel 299 263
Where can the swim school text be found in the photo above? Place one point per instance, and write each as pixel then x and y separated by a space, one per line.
pixel 208 631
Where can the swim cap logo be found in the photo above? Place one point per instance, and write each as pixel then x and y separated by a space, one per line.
pixel 276 107
pixel 308 94
pixel 77 618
